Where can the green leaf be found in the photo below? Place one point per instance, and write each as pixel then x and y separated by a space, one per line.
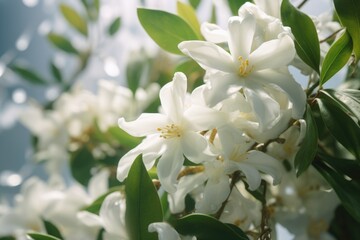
pixel 114 26
pixel 188 13
pixel 337 56
pixel 81 163
pixel 95 206
pixel 7 238
pixel 306 38
pixel 343 225
pixel 62 43
pixel 142 203
pixel 349 15
pixel 166 29
pixel 40 236
pixel 28 74
pixel 308 147
pixel 123 137
pixel 351 99
pixel 234 5
pixel 347 190
pixel 206 227
pixel 74 19
pixel 56 72
pixel 195 3
pixel 340 124
pixel 348 167
pixel 52 230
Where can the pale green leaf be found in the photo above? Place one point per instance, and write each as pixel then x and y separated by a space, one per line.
pixel 62 43
pixel 28 74
pixel 114 26
pixel 188 13
pixel 74 19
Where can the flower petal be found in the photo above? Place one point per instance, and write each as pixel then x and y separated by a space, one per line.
pixel 193 146
pixel 241 36
pixel 146 124
pixel 149 147
pixel 185 186
pixel 164 230
pixel 273 54
pixel 253 177
pixel 213 33
pixel 208 55
pixel 292 89
pixel 169 165
pixel 172 97
pixel 204 118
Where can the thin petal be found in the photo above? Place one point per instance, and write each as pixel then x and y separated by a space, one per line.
pixel 149 147
pixel 193 146
pixel 266 164
pixel 98 184
pixel 213 33
pixel 241 36
pixel 185 186
pixel 89 219
pixel 203 118
pixel 169 165
pixel 172 97
pixel 292 89
pixel 265 108
pixel 146 124
pixel 253 177
pixel 164 230
pixel 208 55
pixel 215 193
pixel 112 213
pixel 273 54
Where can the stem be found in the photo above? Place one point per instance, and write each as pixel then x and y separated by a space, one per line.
pixel 331 36
pixel 265 230
pixel 302 4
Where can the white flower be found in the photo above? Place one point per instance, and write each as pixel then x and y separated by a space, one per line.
pixel 170 135
pixel 237 151
pixel 253 64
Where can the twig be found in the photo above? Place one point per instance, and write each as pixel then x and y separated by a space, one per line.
pixel 302 4
pixel 331 36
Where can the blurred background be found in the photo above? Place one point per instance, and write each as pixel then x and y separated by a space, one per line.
pixel 23 28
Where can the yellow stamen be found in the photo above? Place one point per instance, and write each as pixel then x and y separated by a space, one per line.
pixel 169 131
pixel 245 69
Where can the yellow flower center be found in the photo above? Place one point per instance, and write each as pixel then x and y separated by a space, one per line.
pixel 245 68
pixel 170 131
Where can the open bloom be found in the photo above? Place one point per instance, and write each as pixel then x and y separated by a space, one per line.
pixel 253 65
pixel 171 134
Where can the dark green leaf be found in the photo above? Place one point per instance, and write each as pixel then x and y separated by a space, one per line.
pixel 62 43
pixel 206 227
pixel 195 3
pixel 114 26
pixel 234 5
pixel 95 206
pixel 56 72
pixel 74 19
pixel 343 225
pixel 8 238
pixel 351 99
pixel 337 56
pixel 306 38
pixel 100 235
pixel 349 15
pixel 166 29
pixel 82 161
pixel 28 74
pixel 40 236
pixel 52 230
pixel 345 189
pixel 340 124
pixel 188 13
pixel 123 137
pixel 142 203
pixel 308 147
